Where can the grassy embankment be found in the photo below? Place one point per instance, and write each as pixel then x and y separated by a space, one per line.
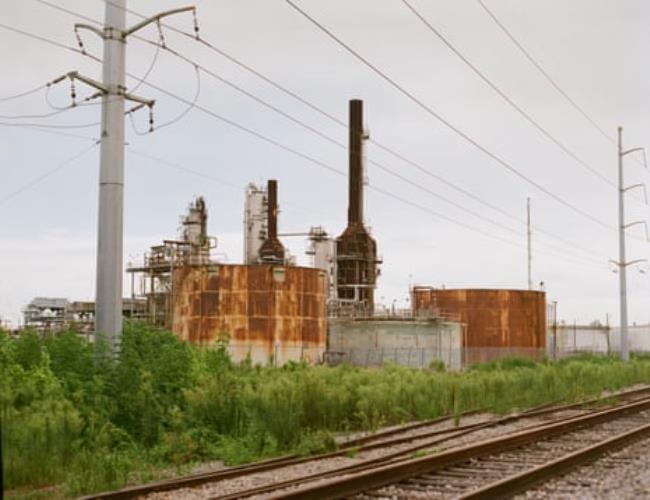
pixel 71 426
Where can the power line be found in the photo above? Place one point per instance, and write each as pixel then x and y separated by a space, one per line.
pixel 325 114
pixel 51 126
pixel 326 166
pixel 505 96
pixel 68 11
pixel 217 180
pixel 40 38
pixel 239 63
pixel 177 118
pixel 322 164
pixel 277 144
pixel 545 74
pixel 447 123
pixel 38 115
pixel 47 131
pixel 47 174
pixel 23 94
pixel 373 162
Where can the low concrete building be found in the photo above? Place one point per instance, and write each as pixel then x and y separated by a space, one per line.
pixel 568 339
pixel 415 342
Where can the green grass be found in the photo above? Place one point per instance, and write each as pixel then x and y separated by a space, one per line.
pixel 71 425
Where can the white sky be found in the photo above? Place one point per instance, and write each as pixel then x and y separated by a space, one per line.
pixel 593 48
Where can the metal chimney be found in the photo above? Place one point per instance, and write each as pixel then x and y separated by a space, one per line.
pixel 356 250
pixel 355 205
pixel 272 250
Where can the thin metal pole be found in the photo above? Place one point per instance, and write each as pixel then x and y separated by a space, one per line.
pixel 530 253
pixel 622 264
pixel 554 330
pixel 108 319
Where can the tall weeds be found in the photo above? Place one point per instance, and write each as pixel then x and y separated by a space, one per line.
pixel 84 426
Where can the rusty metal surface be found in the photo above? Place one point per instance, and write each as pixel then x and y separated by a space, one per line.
pixel 263 305
pixel 356 250
pixel 492 318
pixel 272 250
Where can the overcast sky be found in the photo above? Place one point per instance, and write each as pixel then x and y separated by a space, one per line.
pixel 592 48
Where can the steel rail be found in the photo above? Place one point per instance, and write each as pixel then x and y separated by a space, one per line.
pixel 399 456
pixel 390 474
pixel 356 444
pixel 363 443
pixel 516 483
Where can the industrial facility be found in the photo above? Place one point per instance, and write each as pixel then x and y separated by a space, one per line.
pixel 54 314
pixel 269 309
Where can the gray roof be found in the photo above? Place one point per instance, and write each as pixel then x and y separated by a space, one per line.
pixel 49 303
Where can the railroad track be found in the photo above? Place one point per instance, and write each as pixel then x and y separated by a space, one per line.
pixel 385 439
pixel 494 468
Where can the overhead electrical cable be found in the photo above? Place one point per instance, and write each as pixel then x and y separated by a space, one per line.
pixel 465 136
pixel 545 73
pixel 315 161
pixel 326 166
pixel 505 96
pixel 47 174
pixel 47 131
pixel 23 94
pixel 217 180
pixel 52 126
pixel 43 39
pixel 37 115
pixel 328 115
pixel 189 107
pixel 339 144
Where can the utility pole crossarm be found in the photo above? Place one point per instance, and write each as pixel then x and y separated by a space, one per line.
pixel 636 186
pixel 83 26
pixel 158 17
pixel 109 31
pixel 112 89
pixel 628 151
pixel 75 75
pixel 628 263
pixel 639 223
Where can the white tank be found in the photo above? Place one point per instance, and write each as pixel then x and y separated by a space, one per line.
pixel 323 251
pixel 254 222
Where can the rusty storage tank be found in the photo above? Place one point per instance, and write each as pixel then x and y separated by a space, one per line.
pixel 498 322
pixel 266 311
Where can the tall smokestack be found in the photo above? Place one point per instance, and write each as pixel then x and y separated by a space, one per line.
pixel 272 250
pixel 355 205
pixel 356 250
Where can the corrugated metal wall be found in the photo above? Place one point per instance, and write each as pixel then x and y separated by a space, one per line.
pixel 277 311
pixel 494 319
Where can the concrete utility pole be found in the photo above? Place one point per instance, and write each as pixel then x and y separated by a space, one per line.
pixel 108 301
pixel 108 297
pixel 529 240
pixel 622 263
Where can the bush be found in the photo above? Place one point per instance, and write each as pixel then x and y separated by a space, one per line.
pixel 89 423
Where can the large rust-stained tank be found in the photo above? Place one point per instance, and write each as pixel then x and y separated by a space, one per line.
pixel 497 322
pixel 356 250
pixel 265 311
